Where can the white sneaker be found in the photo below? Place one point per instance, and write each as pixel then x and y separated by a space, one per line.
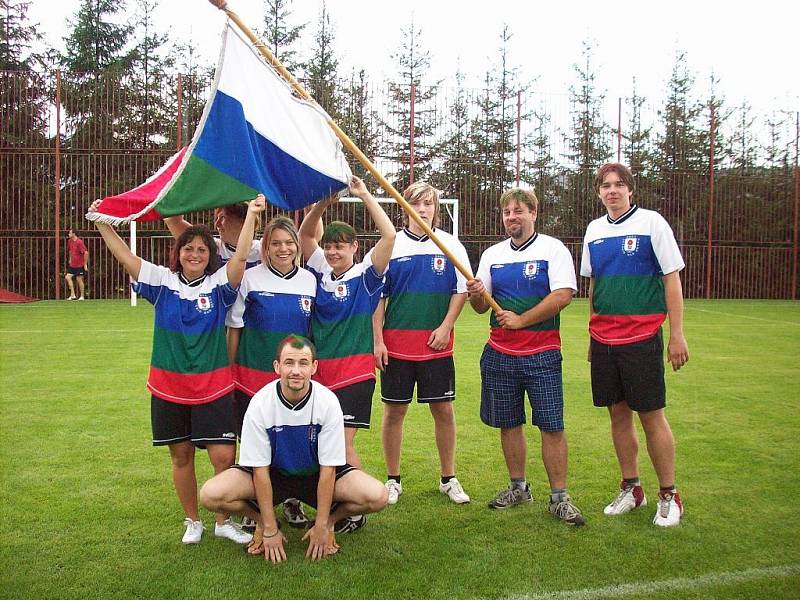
pixel 194 531
pixel 233 532
pixel 629 498
pixel 395 488
pixel 294 514
pixel 670 510
pixel 454 490
pixel 72 298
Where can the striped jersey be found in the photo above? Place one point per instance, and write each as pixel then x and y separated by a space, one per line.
pixel 189 364
pixel 269 306
pixel 419 284
pixel 226 252
pixel 627 258
pixel 296 439
pixel 341 323
pixel 519 277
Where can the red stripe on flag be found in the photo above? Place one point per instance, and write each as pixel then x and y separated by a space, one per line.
pixel 133 201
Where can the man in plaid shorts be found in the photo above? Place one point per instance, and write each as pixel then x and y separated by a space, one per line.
pixel 532 277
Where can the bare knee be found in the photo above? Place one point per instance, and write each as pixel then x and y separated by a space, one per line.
pixel 212 494
pixel 221 456
pixel 378 498
pixel 442 412
pixel 182 455
pixel 394 414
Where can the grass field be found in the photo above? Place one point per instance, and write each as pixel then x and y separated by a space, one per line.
pixel 88 509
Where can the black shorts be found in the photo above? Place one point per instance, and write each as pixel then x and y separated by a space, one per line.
pixel 202 424
pixel 356 403
pixel 241 401
pixel 435 380
pixel 303 487
pixel 630 372
pixel 77 271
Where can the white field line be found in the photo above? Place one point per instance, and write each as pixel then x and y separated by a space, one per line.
pixel 667 585
pixel 716 312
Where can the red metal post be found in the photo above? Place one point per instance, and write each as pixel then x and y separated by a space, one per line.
pixel 180 111
pixel 710 203
pixel 619 129
pixel 411 135
pixel 57 269
pixel 519 141
pixel 796 202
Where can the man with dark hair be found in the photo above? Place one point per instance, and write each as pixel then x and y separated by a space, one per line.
pixel 78 261
pixel 634 262
pixel 293 446
pixel 532 277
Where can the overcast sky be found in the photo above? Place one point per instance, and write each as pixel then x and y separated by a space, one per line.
pixel 751 48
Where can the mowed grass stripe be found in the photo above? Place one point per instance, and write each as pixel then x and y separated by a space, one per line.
pixel 677 585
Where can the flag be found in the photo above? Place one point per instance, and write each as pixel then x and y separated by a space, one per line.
pixel 255 136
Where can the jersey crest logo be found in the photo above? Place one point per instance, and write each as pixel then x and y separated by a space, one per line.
pixel 630 245
pixel 340 292
pixel 204 303
pixel 438 263
pixel 531 268
pixel 305 304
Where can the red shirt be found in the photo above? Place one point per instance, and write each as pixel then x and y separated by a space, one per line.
pixel 77 252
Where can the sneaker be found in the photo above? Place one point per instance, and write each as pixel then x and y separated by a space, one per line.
pixel 81 298
pixel 194 531
pixel 670 510
pixel 293 513
pixel 567 512
pixel 233 532
pixel 454 490
pixel 74 298
pixel 629 497
pixel 350 524
pixel 395 488
pixel 248 524
pixel 511 497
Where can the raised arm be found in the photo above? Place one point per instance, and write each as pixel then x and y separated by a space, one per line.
pixel 379 347
pixel 129 261
pixel 176 225
pixel 236 265
pixel 309 232
pixel 382 252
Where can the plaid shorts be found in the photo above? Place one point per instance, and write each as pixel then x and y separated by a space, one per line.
pixel 506 378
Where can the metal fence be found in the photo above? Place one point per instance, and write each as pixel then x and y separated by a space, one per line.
pixel 68 138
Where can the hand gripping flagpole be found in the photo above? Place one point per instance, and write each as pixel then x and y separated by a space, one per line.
pixel 354 150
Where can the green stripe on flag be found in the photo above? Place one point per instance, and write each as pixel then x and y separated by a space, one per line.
pixel 627 295
pixel 209 351
pixel 201 186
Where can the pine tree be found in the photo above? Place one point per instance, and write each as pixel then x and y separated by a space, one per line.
pixel 96 85
pixel 360 121
pixel 454 175
pixel 151 111
pixel 24 99
pixel 413 62
pixel 195 77
pixel 320 70
pixel 280 35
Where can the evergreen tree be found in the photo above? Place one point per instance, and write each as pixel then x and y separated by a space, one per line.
pixel 151 108
pixel 280 35
pixel 637 151
pixel 195 77
pixel 413 62
pixel 95 88
pixel 360 121
pixel 588 142
pixel 743 148
pixel 24 99
pixel 321 69
pixel 455 174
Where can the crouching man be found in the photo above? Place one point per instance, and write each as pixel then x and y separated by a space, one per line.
pixel 293 447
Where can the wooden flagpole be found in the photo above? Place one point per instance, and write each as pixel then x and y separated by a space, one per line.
pixel 354 150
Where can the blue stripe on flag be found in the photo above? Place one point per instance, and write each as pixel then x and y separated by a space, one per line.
pixel 230 144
